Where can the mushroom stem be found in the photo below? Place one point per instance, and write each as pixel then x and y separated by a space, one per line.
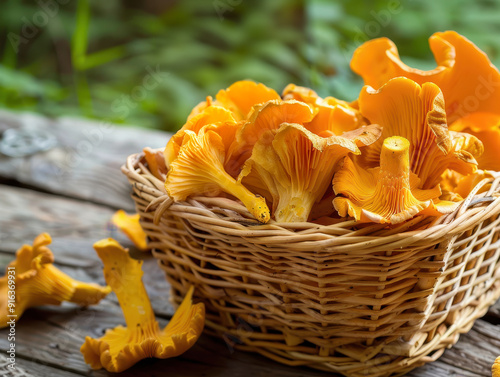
pixel 296 208
pixel 135 304
pixel 133 298
pixel 51 286
pixel 254 203
pixel 393 184
pixel 66 288
pixel 39 282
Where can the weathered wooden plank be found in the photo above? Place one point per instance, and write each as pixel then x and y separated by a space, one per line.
pixel 59 332
pixel 28 368
pixel 74 225
pixel 85 163
pixel 441 369
pixel 477 353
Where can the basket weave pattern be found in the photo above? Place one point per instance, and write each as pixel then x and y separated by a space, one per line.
pixel 360 300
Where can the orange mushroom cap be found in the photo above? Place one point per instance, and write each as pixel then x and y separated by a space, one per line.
pixel 122 347
pixel 199 170
pixel 297 166
pixel 212 115
pixel 264 117
pixel 331 116
pixel 130 225
pixel 464 73
pixel 486 127
pixel 385 194
pixel 404 108
pixel 38 282
pixel 243 95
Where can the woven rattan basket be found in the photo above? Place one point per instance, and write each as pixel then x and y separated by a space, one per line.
pixel 356 300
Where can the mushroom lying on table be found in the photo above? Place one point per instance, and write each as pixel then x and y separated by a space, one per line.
pixel 122 347
pixel 38 282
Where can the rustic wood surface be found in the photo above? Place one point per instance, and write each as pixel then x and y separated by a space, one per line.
pixel 45 192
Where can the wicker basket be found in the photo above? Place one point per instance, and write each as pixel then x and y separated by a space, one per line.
pixel 346 298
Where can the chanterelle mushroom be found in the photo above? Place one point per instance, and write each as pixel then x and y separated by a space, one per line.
pixel 297 166
pixel 130 225
pixel 122 347
pixel 464 73
pixel 331 115
pixel 243 95
pixel 416 113
pixel 212 115
pixel 156 162
pixel 385 194
pixel 38 282
pixel 199 170
pixel 264 117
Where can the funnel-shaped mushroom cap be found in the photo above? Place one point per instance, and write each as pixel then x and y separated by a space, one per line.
pixel 199 170
pixel 386 194
pixel 264 117
pixel 122 347
pixel 464 73
pixel 404 108
pixel 242 96
pixel 486 127
pixel 213 115
pixel 331 116
pixel 130 225
pixel 38 282
pixel 297 166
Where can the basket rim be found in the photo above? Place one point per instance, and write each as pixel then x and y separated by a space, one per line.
pixel 472 210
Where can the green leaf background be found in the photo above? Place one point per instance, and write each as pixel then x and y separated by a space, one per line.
pixel 91 58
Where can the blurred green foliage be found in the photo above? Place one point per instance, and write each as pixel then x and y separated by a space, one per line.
pixel 96 58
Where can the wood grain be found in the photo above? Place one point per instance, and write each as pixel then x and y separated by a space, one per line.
pixel 59 332
pixel 85 163
pixel 29 368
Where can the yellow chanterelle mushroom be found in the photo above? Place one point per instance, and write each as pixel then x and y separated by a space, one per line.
pixel 38 282
pixel 331 115
pixel 296 166
pixel 486 127
pixel 130 225
pixel 199 170
pixel 212 115
pixel 122 347
pixel 385 194
pixel 467 78
pixel 404 108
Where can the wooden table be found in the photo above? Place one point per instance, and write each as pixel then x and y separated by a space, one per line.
pixel 71 191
